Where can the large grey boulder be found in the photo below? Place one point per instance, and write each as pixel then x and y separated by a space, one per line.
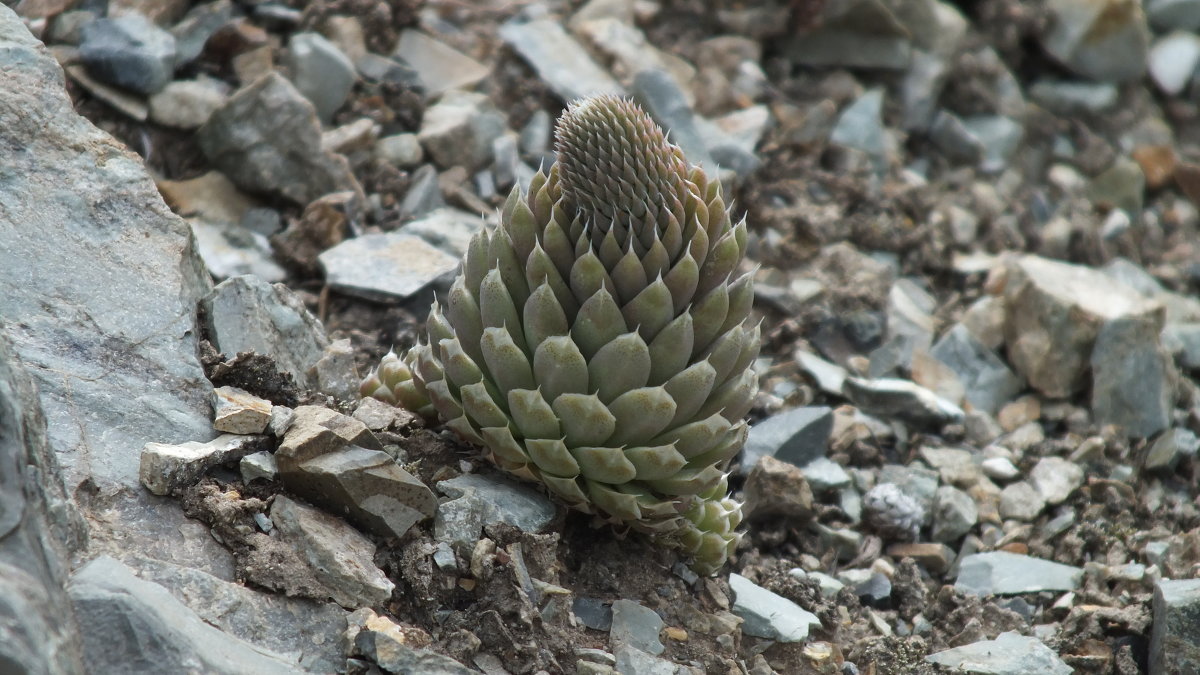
pixel 99 284
pixel 98 290
pixel 135 626
pixel 38 527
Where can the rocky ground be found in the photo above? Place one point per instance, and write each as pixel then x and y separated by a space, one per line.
pixel 978 249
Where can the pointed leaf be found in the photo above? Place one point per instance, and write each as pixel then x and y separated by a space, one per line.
pixel 741 299
pixel 651 310
pixel 629 277
pixel 619 505
pixel 501 441
pixel 541 270
pixel 543 317
pixel 722 260
pixel 585 420
pixel 497 308
pixel 598 322
pixel 655 463
pixel 521 228
pixel 506 362
pixel 480 407
pixel 558 246
pixel 463 313
pixel 533 415
pixel 681 280
pixel 619 366
pixel 568 490
pixel 551 455
pixel 458 367
pixel 604 464
pixel 690 389
pixel 688 481
pixel 512 271
pixel 477 262
pixel 560 368
pixel 588 276
pixel 641 414
pixel 695 438
pixel 671 349
pixel 708 316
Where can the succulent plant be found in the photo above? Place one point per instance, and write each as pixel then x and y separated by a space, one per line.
pixel 598 340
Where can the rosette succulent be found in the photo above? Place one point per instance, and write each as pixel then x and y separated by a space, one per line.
pixel 598 340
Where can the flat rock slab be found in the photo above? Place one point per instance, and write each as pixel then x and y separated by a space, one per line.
pixel 796 436
pixel 1009 654
pixel 382 267
pixel 135 626
pixel 1054 312
pixel 236 411
pixel 636 626
pixel 439 66
pixel 341 558
pixel 294 628
pixel 365 485
pixel 1175 638
pixel 247 314
pixel 902 400
pixel 1004 573
pixel 768 615
pixel 477 501
pixel 314 431
pixel 560 61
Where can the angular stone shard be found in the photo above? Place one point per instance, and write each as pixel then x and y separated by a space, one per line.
pixel 237 411
pixel 166 467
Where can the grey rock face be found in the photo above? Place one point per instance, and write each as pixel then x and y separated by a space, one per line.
pixel 123 322
pixel 1133 378
pixel 193 31
pixel 129 52
pixel 334 372
pixel 1009 654
pixel 135 626
pixel 266 138
pixel 321 72
pixel 769 615
pixel 1004 573
pixel 954 514
pixel 664 100
pixel 271 621
pixel 247 314
pixel 341 558
pixel 187 104
pixel 448 229
pixel 1175 637
pixel 38 529
pixel 901 399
